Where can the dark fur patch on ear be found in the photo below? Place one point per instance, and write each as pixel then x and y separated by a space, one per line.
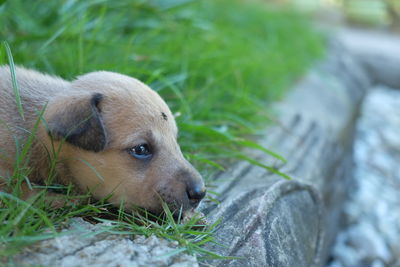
pixel 79 122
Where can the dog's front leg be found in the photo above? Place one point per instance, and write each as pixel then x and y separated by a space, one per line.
pixel 54 200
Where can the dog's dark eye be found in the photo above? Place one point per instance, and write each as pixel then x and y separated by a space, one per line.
pixel 141 151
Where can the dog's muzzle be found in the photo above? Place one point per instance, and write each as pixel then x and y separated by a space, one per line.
pixel 196 193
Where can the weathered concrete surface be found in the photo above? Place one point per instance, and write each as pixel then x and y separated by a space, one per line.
pixel 379 52
pixel 90 245
pixel 261 224
pixel 372 227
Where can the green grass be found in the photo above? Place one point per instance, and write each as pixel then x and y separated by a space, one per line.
pixel 217 63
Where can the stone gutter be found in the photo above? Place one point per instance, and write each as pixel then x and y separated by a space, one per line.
pixel 266 220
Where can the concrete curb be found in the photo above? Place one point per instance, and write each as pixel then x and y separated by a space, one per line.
pixel 270 222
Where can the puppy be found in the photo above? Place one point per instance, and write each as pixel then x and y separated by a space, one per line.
pixel 111 134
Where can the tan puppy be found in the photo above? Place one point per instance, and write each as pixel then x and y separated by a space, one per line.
pixel 120 138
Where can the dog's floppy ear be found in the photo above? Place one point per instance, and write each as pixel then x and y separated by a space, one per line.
pixel 78 121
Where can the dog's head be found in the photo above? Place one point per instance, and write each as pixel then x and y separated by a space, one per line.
pixel 121 140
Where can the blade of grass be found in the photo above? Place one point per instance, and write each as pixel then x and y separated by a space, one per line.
pixel 254 145
pixel 257 163
pixel 14 79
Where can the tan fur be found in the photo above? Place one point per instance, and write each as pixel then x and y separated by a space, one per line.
pixel 131 114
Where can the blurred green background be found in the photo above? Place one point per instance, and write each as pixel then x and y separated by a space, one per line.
pixel 361 12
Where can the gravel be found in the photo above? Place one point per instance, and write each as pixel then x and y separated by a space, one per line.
pixel 371 236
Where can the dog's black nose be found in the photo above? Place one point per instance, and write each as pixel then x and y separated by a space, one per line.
pixel 196 194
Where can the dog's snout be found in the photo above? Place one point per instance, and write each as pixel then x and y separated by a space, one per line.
pixel 196 193
pixel 195 189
